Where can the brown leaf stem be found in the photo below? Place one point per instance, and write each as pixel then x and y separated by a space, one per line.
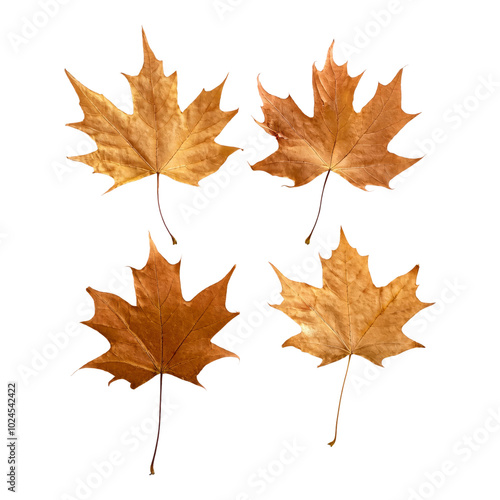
pixel 151 468
pixel 174 241
pixel 340 401
pixel 308 239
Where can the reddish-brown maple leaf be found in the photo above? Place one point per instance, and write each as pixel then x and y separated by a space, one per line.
pixel 336 138
pixel 163 333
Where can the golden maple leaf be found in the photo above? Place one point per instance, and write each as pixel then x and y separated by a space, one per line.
pixel 349 314
pixel 157 138
pixel 336 138
pixel 163 333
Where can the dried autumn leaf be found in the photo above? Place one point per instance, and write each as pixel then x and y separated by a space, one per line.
pixel 163 333
pixel 157 138
pixel 336 138
pixel 349 314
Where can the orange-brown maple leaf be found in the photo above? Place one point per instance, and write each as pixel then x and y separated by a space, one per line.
pixel 349 314
pixel 157 138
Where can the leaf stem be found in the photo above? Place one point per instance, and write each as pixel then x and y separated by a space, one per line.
pixel 340 401
pixel 308 239
pixel 174 241
pixel 151 468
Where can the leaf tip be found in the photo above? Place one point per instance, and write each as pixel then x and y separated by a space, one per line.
pixel 260 87
pixel 69 75
pixel 343 238
pixel 144 37
pixel 146 48
pixel 152 246
pixel 329 55
pixel 276 270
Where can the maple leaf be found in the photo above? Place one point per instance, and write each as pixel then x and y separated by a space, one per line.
pixel 157 138
pixel 336 138
pixel 163 333
pixel 349 314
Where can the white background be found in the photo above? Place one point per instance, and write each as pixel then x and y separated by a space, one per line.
pixel 399 424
